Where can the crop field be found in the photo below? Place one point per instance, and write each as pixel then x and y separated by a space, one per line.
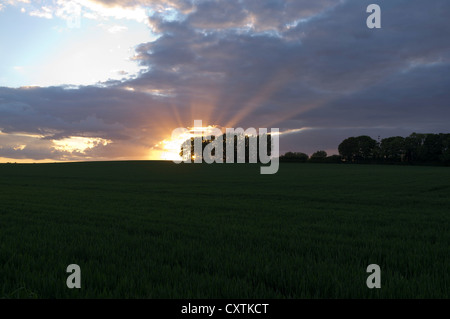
pixel 160 230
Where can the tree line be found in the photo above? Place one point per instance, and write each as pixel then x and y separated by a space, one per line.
pixel 417 148
pixel 244 148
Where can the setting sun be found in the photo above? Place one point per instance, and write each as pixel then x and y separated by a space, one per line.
pixel 169 149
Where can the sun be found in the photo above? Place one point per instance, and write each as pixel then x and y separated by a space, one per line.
pixel 169 149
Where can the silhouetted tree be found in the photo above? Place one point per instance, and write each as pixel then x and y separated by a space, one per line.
pixel 354 149
pixel 238 138
pixel 432 148
pixel 294 157
pixel 392 149
pixel 445 152
pixel 414 147
pixel 348 149
pixel 333 159
pixel 318 156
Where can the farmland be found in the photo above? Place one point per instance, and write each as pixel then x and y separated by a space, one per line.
pixel 159 230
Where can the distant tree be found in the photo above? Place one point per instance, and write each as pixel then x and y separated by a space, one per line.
pixel 294 157
pixel 333 159
pixel 392 149
pixel 358 148
pixel 445 152
pixel 367 147
pixel 348 149
pixel 238 139
pixel 432 148
pixel 192 141
pixel 414 147
pixel 318 157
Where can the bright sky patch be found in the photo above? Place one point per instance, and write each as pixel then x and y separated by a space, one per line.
pixel 51 43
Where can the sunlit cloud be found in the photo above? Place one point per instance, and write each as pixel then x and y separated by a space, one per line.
pixel 19 147
pixel 138 14
pixel 293 131
pixel 79 144
pixel 15 2
pixel 117 29
pixel 43 12
pixel 66 9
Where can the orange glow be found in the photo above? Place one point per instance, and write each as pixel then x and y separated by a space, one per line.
pixel 169 148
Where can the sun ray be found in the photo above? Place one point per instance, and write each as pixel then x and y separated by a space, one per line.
pixel 264 94
pixel 289 115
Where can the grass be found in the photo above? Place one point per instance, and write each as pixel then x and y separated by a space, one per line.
pixel 161 230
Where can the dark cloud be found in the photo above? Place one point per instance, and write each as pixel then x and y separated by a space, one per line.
pixel 286 64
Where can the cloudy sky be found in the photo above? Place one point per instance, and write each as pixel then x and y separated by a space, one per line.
pixel 111 79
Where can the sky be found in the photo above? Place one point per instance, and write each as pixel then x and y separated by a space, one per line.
pixel 111 79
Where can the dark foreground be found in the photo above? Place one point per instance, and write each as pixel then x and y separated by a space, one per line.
pixel 161 230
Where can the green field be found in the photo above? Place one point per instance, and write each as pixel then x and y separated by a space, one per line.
pixel 161 230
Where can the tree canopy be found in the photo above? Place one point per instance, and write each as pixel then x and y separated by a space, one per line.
pixel 244 146
pixel 417 148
